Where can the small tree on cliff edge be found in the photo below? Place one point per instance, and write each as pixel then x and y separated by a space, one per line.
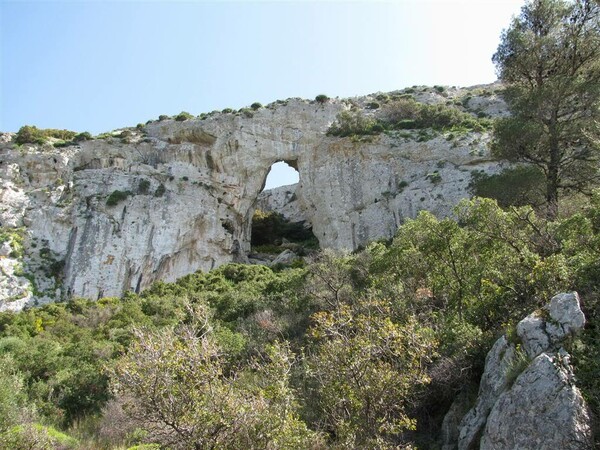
pixel 549 59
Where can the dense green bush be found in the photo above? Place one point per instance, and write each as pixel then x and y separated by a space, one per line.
pixel 32 135
pixel 117 197
pixel 183 115
pixel 405 114
pixel 321 98
pixel 160 190
pixel 85 136
pixel 350 123
pixel 521 185
pixel 143 186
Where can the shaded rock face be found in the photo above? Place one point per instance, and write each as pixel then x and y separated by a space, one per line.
pixel 118 213
pixel 527 396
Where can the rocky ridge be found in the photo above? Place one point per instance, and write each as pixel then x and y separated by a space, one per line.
pixel 165 199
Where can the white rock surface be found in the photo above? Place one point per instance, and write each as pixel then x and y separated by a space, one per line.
pixel 544 331
pixel 285 257
pixel 493 384
pixel 283 200
pixel 542 409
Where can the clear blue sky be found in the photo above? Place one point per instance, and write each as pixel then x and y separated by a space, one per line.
pixel 97 66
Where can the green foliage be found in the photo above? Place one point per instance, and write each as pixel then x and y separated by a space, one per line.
pixel 177 388
pixel 256 106
pixel 85 136
pixel 14 237
pixel 360 348
pixel 13 398
pixel 518 186
pixel 160 190
pixel 349 123
pixel 163 117
pixel 365 366
pixel 36 436
pixel 143 186
pixel 435 177
pixel 407 114
pixel 402 114
pixel 518 364
pixel 548 59
pixel 32 135
pixel 321 98
pixel 117 197
pixel 183 115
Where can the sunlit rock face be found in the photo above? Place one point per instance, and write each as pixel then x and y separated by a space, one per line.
pixel 172 197
pixel 527 396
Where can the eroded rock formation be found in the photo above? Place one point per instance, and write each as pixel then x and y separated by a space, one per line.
pixel 171 197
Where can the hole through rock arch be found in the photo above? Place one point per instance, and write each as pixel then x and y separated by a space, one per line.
pixel 281 173
pixel 277 222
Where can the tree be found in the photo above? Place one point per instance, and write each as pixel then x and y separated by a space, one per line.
pixel 549 59
pixel 174 383
pixel 365 366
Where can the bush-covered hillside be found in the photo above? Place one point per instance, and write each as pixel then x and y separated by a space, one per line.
pixel 363 350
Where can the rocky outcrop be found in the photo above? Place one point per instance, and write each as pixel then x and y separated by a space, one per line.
pixel 527 396
pixel 543 410
pixel 163 200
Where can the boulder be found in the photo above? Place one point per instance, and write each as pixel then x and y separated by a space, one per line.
pixel 493 384
pixel 545 330
pixel 452 419
pixel 542 408
pixel 5 249
pixel 285 257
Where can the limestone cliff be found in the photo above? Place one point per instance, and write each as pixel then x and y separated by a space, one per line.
pixel 171 197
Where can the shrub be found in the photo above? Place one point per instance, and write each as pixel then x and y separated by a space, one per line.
pixel 30 134
pixel 247 112
pixel 183 115
pixel 163 117
pixel 373 105
pixel 143 186
pixel 321 98
pixel 256 106
pixel 116 197
pixel 408 114
pixel 160 190
pixel 85 136
pixel 434 177
pixel 227 111
pixel 518 186
pixel 350 123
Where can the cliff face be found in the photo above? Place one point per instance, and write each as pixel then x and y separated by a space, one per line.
pixel 155 203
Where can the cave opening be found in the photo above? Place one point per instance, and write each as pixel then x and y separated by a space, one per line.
pixel 278 222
